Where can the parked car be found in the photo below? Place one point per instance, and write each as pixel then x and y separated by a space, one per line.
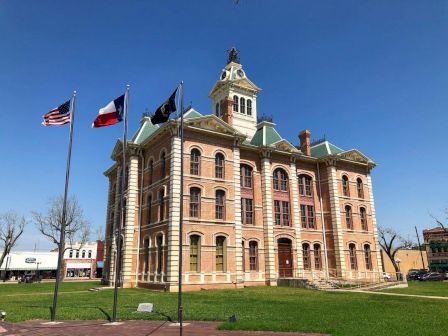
pixel 28 278
pixel 432 276
pixel 415 274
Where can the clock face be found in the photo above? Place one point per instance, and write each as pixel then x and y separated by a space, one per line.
pixel 223 75
pixel 240 73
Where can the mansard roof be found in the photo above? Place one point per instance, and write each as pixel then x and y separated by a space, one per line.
pixel 145 130
pixel 267 135
pixel 324 148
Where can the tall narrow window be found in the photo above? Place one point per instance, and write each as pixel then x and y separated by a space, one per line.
pixel 235 103
pixel 317 257
pixel 243 105
pixel 249 107
pixel 89 254
pixel 246 176
pixel 149 208
pixel 305 185
pixel 348 217
pixel 159 254
pixel 77 253
pixel 307 216
pixel 146 256
pixel 243 249
pixel 163 165
pixel 151 172
pixel 253 255
pixel 345 186
pixel 280 179
pixel 219 166
pixel 83 255
pixel 195 159
pixel 277 212
pixel 70 255
pixel 220 204
pixel 285 213
pixel 368 257
pixel 352 253
pixel 161 205
pixel 363 218
pixel 217 112
pixel 220 254
pixel 195 196
pixel 281 213
pixel 247 211
pixel 360 188
pixel 194 253
pixel 306 256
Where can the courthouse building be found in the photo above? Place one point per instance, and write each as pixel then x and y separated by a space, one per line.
pixel 257 207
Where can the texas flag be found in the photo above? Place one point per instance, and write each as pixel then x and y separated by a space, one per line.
pixel 110 114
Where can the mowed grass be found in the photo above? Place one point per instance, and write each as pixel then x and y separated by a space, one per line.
pixel 262 308
pixel 430 288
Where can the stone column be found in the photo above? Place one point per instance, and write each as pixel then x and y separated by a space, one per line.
pixel 268 227
pixel 374 226
pixel 238 228
pixel 336 219
pixel 172 268
pixel 296 218
pixel 129 242
pixel 115 222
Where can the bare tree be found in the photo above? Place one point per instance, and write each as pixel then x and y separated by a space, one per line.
pixel 77 228
pixel 439 222
pixel 11 228
pixel 99 233
pixel 390 241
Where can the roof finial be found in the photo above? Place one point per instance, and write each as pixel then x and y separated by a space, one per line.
pixel 233 56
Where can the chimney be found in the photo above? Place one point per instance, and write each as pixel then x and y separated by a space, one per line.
pixel 226 110
pixel 304 138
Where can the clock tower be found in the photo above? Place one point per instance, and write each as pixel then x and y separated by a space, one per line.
pixel 234 97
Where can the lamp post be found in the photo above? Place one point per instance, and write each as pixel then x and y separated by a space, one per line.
pixel 399 277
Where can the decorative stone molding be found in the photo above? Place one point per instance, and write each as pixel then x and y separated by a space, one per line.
pixel 238 225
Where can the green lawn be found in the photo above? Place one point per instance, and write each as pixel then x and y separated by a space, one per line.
pixel 431 288
pixel 262 308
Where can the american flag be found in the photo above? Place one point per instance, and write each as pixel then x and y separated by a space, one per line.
pixel 58 116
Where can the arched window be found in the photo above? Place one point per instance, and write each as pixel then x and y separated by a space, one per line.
pixel 163 165
pixel 317 257
pixel 70 254
pixel 219 165
pixel 253 255
pixel 249 107
pixel 305 185
pixel 217 112
pixel 363 218
pixel 220 196
pixel 149 208
pixel 280 180
pixel 246 176
pixel 220 254
pixel 360 188
pixel 146 256
pixel 306 256
pixel 345 186
pixel 83 255
pixel 348 217
pixel 195 198
pixel 161 205
pixel 150 172
pixel 195 159
pixel 368 257
pixel 194 253
pixel 77 253
pixel 352 253
pixel 243 105
pixel 235 103
pixel 159 253
pixel 89 254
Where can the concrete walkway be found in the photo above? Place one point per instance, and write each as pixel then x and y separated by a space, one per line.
pixel 134 328
pixel 392 294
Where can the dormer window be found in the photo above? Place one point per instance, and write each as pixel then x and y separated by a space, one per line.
pixel 235 103
pixel 249 107
pixel 243 105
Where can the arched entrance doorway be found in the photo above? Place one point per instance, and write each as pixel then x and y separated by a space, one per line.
pixel 285 258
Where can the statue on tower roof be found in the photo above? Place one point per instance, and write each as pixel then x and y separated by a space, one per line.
pixel 233 56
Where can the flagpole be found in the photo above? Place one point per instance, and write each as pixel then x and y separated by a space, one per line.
pixel 181 209
pixel 64 211
pixel 122 209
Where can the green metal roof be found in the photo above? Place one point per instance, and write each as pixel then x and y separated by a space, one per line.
pixel 192 113
pixel 145 130
pixel 324 148
pixel 265 134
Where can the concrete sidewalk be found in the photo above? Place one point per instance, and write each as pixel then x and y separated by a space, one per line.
pixel 134 328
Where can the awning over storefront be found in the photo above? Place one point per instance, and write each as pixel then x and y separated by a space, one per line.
pixel 79 265
pixel 30 261
pixel 438 265
pixel 99 264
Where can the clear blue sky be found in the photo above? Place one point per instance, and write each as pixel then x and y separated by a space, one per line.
pixel 366 74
